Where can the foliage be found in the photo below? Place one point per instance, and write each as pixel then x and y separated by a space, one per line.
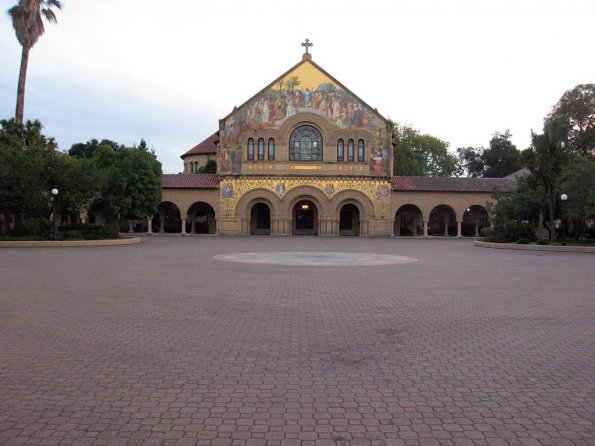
pixel 417 154
pixel 576 109
pixel 88 149
pixel 83 231
pixel 579 186
pixel 209 167
pixel 132 186
pixel 500 159
pixel 511 210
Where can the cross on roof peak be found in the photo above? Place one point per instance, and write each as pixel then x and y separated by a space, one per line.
pixel 307 45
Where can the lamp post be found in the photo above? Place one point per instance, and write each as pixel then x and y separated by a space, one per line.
pixel 53 198
pixel 563 197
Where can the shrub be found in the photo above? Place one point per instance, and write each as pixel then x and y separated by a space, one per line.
pixel 86 231
pixel 522 241
pixel 543 242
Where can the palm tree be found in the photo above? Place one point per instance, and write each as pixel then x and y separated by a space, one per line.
pixel 28 26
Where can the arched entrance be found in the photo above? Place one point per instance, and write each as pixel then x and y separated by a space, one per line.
pixel 260 219
pixel 305 218
pixel 442 221
pixel 201 219
pixel 408 221
pixel 474 219
pixel 167 219
pixel 349 220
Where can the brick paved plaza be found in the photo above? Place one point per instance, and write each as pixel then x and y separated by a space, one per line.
pixel 158 343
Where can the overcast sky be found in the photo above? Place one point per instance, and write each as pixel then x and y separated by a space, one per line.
pixel 167 71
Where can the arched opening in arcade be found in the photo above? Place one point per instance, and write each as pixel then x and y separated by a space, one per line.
pixel 349 220
pixel 167 219
pixel 305 218
pixel 408 221
pixel 201 219
pixel 442 221
pixel 260 219
pixel 475 219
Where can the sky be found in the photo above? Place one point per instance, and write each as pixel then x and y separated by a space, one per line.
pixel 459 70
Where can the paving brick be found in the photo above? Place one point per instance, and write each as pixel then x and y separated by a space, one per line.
pixel 159 343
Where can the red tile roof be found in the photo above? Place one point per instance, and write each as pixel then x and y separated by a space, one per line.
pixel 190 181
pixel 448 184
pixel 207 147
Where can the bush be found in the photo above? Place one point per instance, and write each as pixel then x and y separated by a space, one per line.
pixel 543 242
pixel 510 233
pixel 85 232
pixel 522 241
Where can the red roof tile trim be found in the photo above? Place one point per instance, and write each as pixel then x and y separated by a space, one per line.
pixel 190 181
pixel 207 147
pixel 448 184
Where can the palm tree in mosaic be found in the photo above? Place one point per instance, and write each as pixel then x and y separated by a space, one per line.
pixel 293 82
pixel 27 19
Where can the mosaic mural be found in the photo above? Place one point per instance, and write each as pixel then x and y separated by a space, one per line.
pixel 305 89
pixel 233 189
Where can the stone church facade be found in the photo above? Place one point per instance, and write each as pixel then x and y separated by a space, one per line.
pixel 306 156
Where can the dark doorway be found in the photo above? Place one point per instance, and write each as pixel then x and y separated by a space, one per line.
pixel 260 219
pixel 305 218
pixel 349 220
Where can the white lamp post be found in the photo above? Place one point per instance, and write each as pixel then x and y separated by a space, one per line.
pixel 53 198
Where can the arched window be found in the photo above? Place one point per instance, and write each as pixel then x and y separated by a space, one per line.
pixel 250 148
pixel 260 149
pixel 360 150
pixel 340 150
pixel 271 149
pixel 350 149
pixel 305 144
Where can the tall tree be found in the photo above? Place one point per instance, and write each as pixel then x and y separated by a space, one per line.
pixel 27 19
pixel 500 159
pixel 418 154
pixel 576 108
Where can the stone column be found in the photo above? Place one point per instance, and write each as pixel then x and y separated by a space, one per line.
pixel 459 229
pixel 397 224
pixel 192 223
pixel 162 225
pixel 130 226
pixel 183 227
pixel 476 232
pixel 150 225
pixel 425 229
pixel 446 221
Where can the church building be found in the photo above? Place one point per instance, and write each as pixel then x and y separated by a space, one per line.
pixel 307 156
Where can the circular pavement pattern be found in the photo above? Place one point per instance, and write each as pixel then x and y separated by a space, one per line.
pixel 315 258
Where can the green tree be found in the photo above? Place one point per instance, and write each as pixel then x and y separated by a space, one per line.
pixel 25 169
pixel 547 159
pixel 418 154
pixel 500 159
pixel 27 21
pixel 132 185
pixel 579 186
pixel 293 82
pixel 576 108
pixel 209 167
pixel 88 149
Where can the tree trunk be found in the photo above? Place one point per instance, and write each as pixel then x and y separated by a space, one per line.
pixel 21 85
pixel 550 208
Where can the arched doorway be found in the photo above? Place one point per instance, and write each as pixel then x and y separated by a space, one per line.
pixel 474 219
pixel 167 219
pixel 260 219
pixel 442 221
pixel 349 220
pixel 201 219
pixel 408 221
pixel 305 218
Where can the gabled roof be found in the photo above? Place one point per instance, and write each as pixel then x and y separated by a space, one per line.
pixel 207 147
pixel 190 181
pixel 318 67
pixel 449 184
